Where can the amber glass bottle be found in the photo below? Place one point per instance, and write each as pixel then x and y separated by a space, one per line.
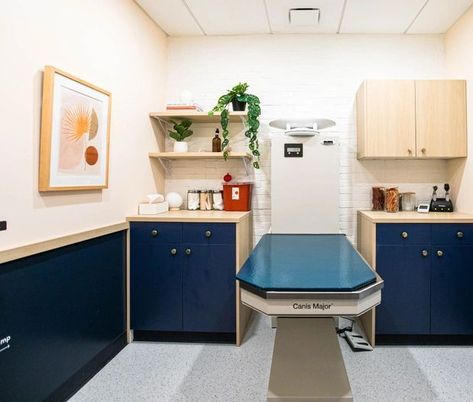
pixel 216 142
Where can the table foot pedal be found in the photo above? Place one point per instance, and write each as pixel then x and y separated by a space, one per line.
pixel 357 341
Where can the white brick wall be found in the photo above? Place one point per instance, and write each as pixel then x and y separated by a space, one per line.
pixel 297 75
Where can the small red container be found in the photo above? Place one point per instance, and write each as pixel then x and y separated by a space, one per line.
pixel 237 197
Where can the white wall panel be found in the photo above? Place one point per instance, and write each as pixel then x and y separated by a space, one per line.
pixel 172 16
pixel 379 16
pixel 219 17
pixel 439 15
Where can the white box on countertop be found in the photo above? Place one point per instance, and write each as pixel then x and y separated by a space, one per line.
pixel 153 209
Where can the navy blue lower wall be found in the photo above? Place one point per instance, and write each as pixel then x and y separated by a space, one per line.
pixel 62 314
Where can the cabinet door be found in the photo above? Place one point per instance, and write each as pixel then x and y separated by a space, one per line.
pixel 386 119
pixel 441 119
pixel 209 288
pixel 405 300
pixel 452 280
pixel 156 286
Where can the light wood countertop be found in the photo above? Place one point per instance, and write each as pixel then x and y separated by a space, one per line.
pixel 192 216
pixel 415 217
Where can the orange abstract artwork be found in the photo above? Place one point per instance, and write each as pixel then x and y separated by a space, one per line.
pixel 75 134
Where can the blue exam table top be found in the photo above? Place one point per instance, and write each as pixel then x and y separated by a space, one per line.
pixel 317 263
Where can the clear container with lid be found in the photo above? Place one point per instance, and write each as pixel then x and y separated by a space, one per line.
pixel 217 200
pixel 205 200
pixel 392 199
pixel 193 200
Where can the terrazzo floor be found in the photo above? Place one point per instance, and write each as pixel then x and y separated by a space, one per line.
pixel 203 373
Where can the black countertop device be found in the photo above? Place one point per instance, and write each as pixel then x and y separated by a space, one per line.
pixel 441 204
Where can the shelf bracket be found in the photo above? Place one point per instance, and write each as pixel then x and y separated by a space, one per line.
pixel 248 165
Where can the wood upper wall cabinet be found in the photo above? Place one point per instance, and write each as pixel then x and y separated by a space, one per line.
pixel 406 119
pixel 386 119
pixel 441 119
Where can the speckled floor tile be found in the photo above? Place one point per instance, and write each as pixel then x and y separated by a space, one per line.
pixel 170 372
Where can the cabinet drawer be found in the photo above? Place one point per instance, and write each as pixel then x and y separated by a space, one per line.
pixel 209 233
pixel 159 232
pixel 403 233
pixel 452 233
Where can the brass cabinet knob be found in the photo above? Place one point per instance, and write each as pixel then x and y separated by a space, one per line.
pixel 460 235
pixel 409 151
pixel 208 233
pixel 440 253
pixel 173 251
pixel 404 235
pixel 423 150
pixel 154 233
pixel 188 251
pixel 425 253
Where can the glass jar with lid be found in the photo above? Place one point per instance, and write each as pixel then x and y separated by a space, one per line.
pixel 193 200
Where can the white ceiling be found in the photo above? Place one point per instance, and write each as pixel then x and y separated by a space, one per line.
pixel 243 17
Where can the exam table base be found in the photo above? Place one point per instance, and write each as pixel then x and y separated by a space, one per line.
pixel 307 363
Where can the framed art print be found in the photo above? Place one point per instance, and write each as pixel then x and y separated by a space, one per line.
pixel 75 134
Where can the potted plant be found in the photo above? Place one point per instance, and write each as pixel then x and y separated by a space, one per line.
pixel 238 94
pixel 180 133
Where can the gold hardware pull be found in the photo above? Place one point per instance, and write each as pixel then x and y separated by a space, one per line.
pixel 423 150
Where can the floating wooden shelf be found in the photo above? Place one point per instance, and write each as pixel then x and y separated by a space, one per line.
pixel 197 117
pixel 198 155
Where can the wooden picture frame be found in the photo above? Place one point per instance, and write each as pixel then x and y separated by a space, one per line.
pixel 75 134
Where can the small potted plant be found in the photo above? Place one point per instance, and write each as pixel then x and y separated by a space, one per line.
pixel 240 99
pixel 180 133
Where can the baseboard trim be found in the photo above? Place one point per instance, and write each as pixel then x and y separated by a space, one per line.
pixel 83 375
pixel 191 337
pixel 430 340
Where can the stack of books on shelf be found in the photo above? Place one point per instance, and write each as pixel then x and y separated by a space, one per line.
pixel 184 106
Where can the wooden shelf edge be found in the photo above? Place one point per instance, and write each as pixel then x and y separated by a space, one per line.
pixel 197 117
pixel 198 155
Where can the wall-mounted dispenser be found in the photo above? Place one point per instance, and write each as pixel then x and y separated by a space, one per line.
pixel 305 127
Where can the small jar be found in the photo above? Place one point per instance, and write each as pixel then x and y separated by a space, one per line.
pixel 217 200
pixel 392 199
pixel 378 198
pixel 408 201
pixel 205 200
pixel 193 200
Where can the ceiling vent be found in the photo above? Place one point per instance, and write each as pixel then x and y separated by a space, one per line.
pixel 303 17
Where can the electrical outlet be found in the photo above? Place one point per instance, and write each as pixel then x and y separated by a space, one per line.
pixel 3 225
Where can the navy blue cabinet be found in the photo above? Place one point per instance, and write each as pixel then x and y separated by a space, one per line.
pixel 452 277
pixel 405 307
pixel 427 271
pixel 183 277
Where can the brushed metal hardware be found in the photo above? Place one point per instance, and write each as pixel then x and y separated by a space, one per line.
pixel 404 235
pixel 440 253
pixel 173 251
pixel 208 233
pixel 425 253
pixel 188 251
pixel 460 235
pixel 154 233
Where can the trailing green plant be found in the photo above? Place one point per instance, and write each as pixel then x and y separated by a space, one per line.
pixel 181 130
pixel 238 92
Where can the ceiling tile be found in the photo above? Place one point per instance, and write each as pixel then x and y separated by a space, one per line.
pixel 330 14
pixel 380 16
pixel 172 16
pixel 439 15
pixel 218 17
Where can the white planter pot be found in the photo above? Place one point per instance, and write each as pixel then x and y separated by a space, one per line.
pixel 180 146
